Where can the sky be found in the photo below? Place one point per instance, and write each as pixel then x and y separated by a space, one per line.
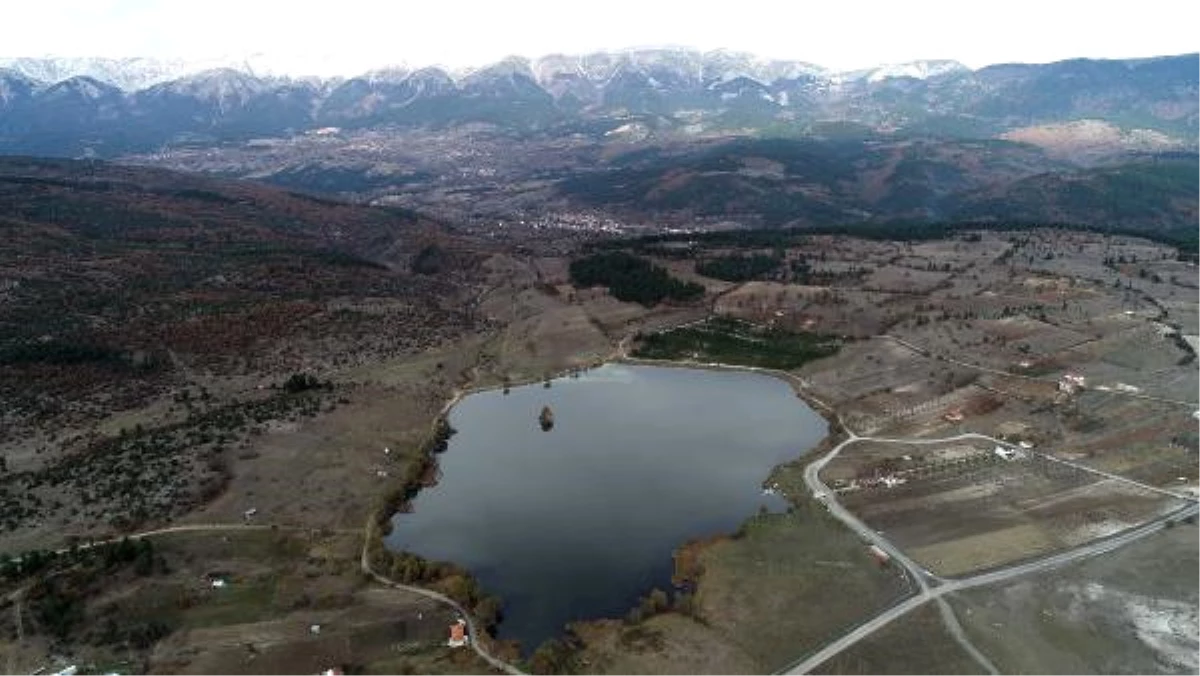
pixel 350 36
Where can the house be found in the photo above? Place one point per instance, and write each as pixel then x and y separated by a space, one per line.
pixel 881 556
pixel 1071 383
pixel 954 415
pixel 249 513
pixel 1006 453
pixel 458 634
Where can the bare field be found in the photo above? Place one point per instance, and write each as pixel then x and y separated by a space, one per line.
pixel 917 643
pixel 961 509
pixel 663 644
pixel 326 472
pixel 1149 441
pixel 1130 611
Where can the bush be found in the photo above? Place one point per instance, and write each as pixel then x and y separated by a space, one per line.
pixel 737 268
pixel 300 382
pixel 430 260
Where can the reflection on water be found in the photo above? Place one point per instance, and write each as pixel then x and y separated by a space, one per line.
pixel 578 522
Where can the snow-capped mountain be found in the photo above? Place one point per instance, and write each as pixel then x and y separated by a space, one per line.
pixel 15 86
pixel 128 74
pixel 136 73
pixel 917 70
pixel 61 106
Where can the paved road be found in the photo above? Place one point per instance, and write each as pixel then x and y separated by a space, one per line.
pixel 945 586
pixel 916 572
pixel 956 632
pixel 813 480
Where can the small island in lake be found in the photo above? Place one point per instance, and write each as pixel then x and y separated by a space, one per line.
pixel 546 419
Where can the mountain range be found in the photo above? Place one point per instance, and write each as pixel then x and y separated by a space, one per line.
pixel 107 107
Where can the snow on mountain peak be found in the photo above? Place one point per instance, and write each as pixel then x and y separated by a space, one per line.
pixel 920 70
pixel 675 63
pixel 505 68
pixel 129 74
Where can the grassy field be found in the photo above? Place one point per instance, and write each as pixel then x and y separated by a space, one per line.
pixel 753 610
pixel 733 341
pixel 917 643
pixel 957 515
pixel 762 589
pixel 1131 611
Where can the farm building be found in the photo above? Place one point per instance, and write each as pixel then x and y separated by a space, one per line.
pixel 881 556
pixel 458 634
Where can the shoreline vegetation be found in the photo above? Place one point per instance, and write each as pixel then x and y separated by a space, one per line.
pixel 557 655
pixel 408 568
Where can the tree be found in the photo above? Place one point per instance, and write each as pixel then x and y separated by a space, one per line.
pixel 430 260
pixel 299 382
pixel 631 278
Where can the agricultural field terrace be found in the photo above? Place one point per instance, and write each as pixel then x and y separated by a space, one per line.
pixel 205 380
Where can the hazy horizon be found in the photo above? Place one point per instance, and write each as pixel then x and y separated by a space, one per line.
pixel 354 36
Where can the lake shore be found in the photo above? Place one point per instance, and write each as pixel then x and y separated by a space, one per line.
pixel 717 401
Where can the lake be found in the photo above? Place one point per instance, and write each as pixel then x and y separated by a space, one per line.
pixel 580 521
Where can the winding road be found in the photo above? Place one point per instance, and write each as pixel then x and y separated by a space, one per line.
pixel 929 586
pixel 942 586
pixel 472 632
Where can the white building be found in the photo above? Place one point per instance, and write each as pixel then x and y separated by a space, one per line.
pixel 1009 454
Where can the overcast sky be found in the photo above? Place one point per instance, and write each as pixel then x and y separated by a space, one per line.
pixel 354 35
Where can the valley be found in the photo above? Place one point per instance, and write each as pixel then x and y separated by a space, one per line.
pixel 886 370
pixel 230 420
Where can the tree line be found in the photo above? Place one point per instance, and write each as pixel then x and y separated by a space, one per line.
pixel 1185 240
pixel 631 278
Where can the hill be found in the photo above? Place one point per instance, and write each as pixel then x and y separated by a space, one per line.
pixel 811 182
pixel 1151 194
pixel 116 278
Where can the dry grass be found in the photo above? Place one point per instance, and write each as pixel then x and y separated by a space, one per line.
pixel 1130 611
pixel 917 643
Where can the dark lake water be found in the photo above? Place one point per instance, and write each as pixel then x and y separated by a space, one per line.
pixel 578 522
